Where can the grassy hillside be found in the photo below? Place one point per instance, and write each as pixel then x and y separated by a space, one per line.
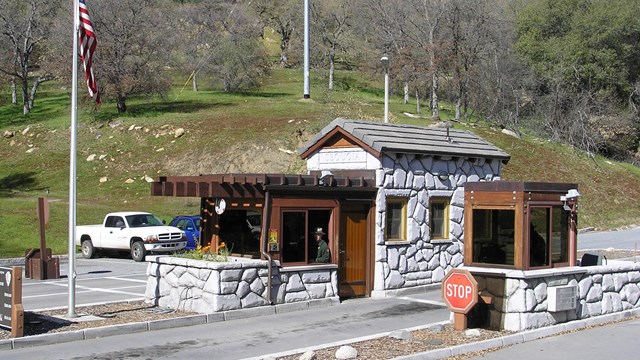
pixel 250 132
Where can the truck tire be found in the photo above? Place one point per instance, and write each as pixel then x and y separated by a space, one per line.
pixel 138 252
pixel 88 251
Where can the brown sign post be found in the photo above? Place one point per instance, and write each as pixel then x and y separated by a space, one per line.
pixel 460 293
pixel 11 311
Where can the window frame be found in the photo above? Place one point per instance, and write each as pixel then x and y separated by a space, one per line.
pixel 446 217
pixel 490 232
pixel 404 201
pixel 550 227
pixel 309 241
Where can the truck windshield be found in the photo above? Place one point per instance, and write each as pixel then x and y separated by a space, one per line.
pixel 142 220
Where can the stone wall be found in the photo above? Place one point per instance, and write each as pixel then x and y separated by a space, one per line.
pixel 520 298
pixel 208 287
pixel 420 260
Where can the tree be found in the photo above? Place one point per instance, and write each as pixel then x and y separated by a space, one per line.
pixel 331 24
pixel 132 54
pixel 25 26
pixel 587 57
pixel 283 16
pixel 472 33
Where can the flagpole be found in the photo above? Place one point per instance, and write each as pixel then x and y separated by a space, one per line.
pixel 71 312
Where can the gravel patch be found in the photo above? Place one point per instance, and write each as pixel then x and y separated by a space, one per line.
pixel 55 321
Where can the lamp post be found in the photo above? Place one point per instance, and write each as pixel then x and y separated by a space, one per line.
pixel 385 64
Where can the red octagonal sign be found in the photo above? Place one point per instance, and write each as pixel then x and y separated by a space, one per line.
pixel 460 291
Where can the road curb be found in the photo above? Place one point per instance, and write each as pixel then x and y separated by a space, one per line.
pixel 521 337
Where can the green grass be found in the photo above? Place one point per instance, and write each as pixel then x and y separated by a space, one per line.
pixel 217 122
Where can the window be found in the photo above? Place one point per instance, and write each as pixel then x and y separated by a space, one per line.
pixel 548 236
pixel 238 235
pixel 396 226
pixel 114 222
pixel 493 236
pixel 298 242
pixel 439 218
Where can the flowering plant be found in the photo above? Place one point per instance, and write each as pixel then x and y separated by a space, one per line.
pixel 219 254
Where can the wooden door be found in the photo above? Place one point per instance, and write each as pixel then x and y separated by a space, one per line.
pixel 352 274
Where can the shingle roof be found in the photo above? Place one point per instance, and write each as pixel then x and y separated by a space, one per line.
pixel 413 139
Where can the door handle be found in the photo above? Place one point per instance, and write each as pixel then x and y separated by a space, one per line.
pixel 342 251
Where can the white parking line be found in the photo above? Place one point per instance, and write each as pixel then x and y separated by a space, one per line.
pixel 66 280
pixel 83 290
pixel 110 291
pixel 132 280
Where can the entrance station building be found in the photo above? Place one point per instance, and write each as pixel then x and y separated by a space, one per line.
pixel 388 197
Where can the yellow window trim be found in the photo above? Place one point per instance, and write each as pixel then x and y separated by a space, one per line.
pixel 403 218
pixel 445 227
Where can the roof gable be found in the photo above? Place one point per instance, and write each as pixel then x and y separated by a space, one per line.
pixel 377 138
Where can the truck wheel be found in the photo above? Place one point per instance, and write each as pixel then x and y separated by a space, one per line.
pixel 88 251
pixel 138 252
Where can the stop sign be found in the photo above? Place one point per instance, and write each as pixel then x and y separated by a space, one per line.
pixel 459 290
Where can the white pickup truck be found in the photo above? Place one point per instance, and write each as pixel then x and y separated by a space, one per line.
pixel 138 232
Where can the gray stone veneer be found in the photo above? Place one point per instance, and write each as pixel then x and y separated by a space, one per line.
pixel 208 287
pixel 420 260
pixel 520 297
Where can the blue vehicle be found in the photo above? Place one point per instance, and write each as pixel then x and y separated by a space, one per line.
pixel 191 226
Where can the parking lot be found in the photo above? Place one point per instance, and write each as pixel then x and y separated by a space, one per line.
pixel 97 281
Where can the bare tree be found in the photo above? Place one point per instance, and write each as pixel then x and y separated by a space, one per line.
pixel 132 52
pixel 331 23
pixel 283 16
pixel 471 30
pixel 25 24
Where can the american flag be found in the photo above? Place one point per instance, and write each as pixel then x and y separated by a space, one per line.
pixel 87 48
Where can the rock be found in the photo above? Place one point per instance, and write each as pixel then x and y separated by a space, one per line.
pixel 129 181
pixel 510 133
pixel 161 149
pixel 346 352
pixel 102 157
pixel 148 179
pixel 132 127
pixel 115 124
pixel 400 335
pixel 437 328
pixel 434 342
pixel 8 134
pixel 103 179
pixel 26 130
pixel 286 151
pixel 178 132
pixel 91 157
pixel 309 355
pixel 31 150
pixel 472 333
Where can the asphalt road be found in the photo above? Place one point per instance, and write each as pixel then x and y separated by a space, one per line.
pixel 614 341
pixel 623 239
pixel 256 336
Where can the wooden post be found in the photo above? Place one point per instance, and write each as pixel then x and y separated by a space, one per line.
pixel 17 311
pixel 43 243
pixel 459 321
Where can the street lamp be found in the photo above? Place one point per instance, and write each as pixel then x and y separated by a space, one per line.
pixel 385 64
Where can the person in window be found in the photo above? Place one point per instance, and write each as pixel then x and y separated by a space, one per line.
pixel 323 249
pixel 538 248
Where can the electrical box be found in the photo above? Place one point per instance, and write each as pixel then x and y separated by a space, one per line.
pixel 273 247
pixel 562 298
